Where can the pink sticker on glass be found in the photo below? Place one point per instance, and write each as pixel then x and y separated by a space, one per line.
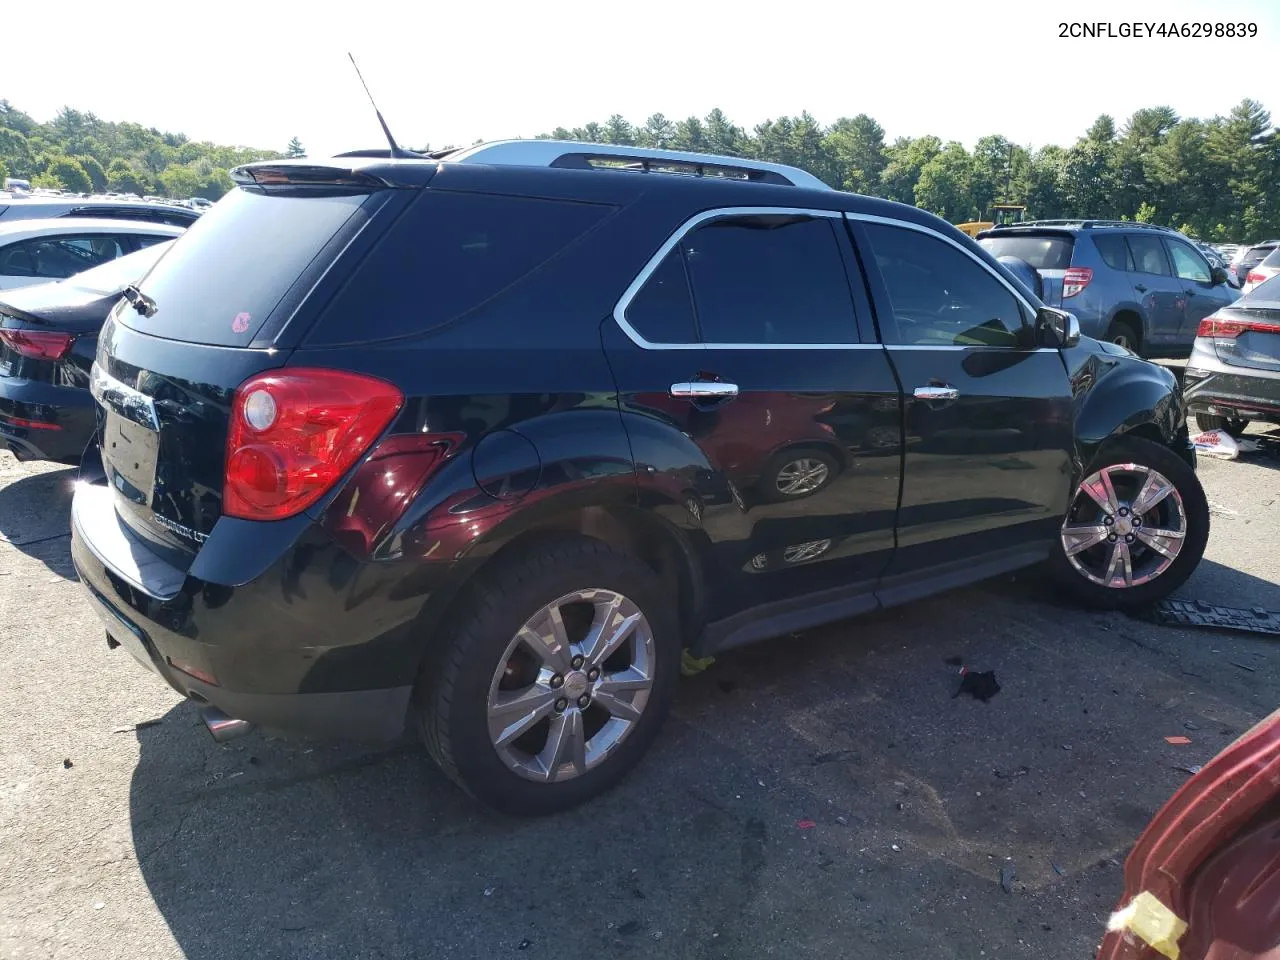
pixel 241 323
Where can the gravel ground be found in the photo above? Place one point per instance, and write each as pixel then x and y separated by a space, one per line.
pixel 126 832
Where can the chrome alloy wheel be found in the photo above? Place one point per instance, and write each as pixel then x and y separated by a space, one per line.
pixel 801 476
pixel 1126 526
pixel 571 686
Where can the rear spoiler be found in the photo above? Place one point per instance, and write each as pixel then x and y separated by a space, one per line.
pixel 275 174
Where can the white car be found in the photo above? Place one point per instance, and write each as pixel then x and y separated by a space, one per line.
pixel 1268 268
pixel 38 251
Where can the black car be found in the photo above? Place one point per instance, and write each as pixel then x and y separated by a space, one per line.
pixel 1248 257
pixel 1233 375
pixel 448 443
pixel 48 338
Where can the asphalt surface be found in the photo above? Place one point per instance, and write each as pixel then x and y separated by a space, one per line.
pixel 126 832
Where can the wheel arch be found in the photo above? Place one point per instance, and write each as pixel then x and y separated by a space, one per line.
pixel 626 527
pixel 1131 404
pixel 1132 315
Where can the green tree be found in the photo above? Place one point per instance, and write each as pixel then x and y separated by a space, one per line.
pixel 294 149
pixel 855 148
pixel 722 136
pixel 690 135
pixel 617 130
pixel 905 158
pixel 15 150
pixel 69 172
pixel 97 176
pixel 657 131
pixel 122 177
pixel 4 170
pixel 945 185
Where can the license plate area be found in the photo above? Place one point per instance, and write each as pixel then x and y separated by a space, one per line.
pixel 130 451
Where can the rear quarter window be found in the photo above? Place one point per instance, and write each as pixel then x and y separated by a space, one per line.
pixel 1041 252
pixel 1114 251
pixel 447 255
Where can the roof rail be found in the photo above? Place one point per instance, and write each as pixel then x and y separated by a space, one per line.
pixel 1087 224
pixel 586 156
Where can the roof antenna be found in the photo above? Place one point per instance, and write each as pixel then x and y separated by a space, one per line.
pixel 396 152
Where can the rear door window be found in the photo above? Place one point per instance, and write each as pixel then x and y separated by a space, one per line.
pixel 447 255
pixel 662 310
pixel 769 279
pixel 1148 256
pixel 1114 251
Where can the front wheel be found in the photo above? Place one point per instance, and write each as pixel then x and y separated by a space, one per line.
pixel 552 678
pixel 1136 528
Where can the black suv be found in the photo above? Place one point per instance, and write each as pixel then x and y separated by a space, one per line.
pixel 480 443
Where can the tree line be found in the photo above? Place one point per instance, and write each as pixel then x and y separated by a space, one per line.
pixel 1217 179
pixel 80 152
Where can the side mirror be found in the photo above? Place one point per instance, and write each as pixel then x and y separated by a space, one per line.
pixel 1218 276
pixel 1057 328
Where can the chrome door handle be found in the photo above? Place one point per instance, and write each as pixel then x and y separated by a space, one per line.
pixel 936 393
pixel 705 390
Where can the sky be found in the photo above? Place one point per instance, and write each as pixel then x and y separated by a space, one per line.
pixel 258 74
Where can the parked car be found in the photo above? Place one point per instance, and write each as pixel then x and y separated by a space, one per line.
pixel 1205 874
pixel 378 445
pixel 199 203
pixel 48 339
pixel 1233 374
pixel 37 251
pixel 1249 256
pixel 1264 271
pixel 125 207
pixel 1143 287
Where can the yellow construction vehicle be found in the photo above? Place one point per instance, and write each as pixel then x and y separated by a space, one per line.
pixel 1001 213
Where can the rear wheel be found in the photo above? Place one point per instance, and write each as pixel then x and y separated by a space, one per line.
pixel 1123 333
pixel 1235 426
pixel 553 679
pixel 1136 528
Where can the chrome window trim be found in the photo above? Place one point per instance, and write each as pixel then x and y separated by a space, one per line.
pixel 620 309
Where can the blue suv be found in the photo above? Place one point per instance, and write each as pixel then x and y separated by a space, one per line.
pixel 1144 287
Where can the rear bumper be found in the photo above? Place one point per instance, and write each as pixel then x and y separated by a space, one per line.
pixel 68 409
pixel 1232 394
pixel 286 650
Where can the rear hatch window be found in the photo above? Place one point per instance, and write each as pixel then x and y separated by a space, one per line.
pixel 1044 252
pixel 223 278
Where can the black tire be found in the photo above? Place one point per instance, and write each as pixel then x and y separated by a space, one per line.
pixel 1196 507
pixel 1124 333
pixel 768 483
pixel 1234 426
pixel 451 697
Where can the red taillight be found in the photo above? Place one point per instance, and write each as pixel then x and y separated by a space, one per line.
pixel 1222 329
pixel 295 432
pixel 1075 280
pixel 38 344
pixel 1255 277
pixel 29 424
